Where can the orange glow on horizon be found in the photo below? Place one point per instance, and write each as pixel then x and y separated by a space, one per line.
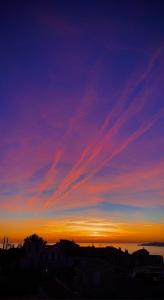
pixel 83 230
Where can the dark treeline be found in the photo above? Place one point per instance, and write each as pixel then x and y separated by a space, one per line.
pixel 36 270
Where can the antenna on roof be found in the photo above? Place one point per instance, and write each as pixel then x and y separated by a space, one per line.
pixel 4 239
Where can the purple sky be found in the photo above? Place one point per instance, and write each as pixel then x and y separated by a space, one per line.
pixel 81 113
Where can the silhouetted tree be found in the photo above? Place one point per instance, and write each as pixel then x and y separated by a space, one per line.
pixel 34 242
pixel 141 252
pixel 66 244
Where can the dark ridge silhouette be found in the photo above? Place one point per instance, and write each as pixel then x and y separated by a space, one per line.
pixel 155 244
pixel 66 270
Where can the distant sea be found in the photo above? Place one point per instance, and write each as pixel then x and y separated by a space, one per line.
pixel 131 247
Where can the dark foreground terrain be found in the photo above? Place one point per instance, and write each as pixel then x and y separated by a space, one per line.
pixel 67 271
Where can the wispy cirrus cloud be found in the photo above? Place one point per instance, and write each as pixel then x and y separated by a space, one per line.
pixel 94 149
pixel 81 121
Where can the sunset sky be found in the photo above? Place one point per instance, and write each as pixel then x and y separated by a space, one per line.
pixel 82 120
